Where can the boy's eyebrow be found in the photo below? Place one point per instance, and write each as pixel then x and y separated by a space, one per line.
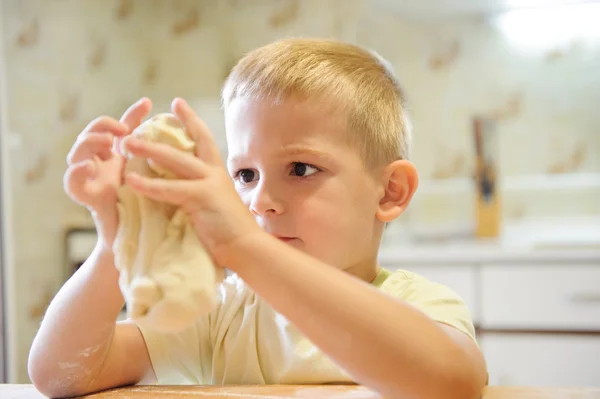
pixel 303 150
pixel 292 151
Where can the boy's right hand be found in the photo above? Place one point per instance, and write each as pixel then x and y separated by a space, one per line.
pixel 95 167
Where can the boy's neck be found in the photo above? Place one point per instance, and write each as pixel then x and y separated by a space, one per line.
pixel 365 272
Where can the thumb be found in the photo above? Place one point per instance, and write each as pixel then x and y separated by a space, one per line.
pixel 77 175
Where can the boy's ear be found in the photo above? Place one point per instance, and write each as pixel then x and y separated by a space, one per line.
pixel 400 180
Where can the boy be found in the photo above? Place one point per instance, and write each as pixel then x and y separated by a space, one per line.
pixel 318 142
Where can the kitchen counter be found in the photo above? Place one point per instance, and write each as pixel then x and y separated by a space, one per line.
pixel 541 241
pixel 486 253
pixel 535 242
pixel 292 391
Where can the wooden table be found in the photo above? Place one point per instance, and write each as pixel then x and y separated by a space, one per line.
pixel 291 392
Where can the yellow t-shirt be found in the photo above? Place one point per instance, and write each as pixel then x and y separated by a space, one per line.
pixel 244 341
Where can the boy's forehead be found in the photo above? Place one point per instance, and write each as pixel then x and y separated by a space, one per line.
pixel 285 129
pixel 287 121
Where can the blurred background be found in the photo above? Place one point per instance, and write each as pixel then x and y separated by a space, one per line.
pixel 520 244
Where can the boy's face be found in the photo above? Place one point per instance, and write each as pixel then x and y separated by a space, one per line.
pixel 302 182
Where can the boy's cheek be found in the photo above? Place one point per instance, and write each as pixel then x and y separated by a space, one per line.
pixel 318 228
pixel 244 196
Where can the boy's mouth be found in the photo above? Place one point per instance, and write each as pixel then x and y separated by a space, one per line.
pixel 285 239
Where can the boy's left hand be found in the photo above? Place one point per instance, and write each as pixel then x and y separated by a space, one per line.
pixel 203 189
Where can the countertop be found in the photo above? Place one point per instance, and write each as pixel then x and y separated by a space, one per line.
pixel 550 241
pixel 482 253
pixel 292 391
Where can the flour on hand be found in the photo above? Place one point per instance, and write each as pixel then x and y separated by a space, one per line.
pixel 165 274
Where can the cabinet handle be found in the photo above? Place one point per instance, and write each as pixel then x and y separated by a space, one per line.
pixel 585 297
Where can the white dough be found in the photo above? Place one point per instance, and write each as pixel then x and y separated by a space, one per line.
pixel 166 276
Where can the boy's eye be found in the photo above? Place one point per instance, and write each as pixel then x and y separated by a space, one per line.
pixel 303 169
pixel 246 175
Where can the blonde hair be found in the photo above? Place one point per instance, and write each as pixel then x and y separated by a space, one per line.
pixel 357 82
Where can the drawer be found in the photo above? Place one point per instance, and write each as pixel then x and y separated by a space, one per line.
pixel 525 296
pixel 542 359
pixel 460 279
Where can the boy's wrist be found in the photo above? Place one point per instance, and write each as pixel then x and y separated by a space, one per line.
pixel 102 247
pixel 103 252
pixel 233 255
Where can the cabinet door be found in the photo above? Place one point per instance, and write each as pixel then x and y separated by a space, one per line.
pixel 542 359
pixel 550 297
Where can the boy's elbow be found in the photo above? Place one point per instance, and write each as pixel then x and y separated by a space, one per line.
pixel 37 370
pixel 41 376
pixel 465 383
pixel 443 383
pixel 455 386
pixel 470 389
pixel 52 385
pixel 51 380
pixel 456 380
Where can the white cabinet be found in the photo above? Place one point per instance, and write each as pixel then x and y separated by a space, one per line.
pixel 542 359
pixel 540 323
pixel 549 297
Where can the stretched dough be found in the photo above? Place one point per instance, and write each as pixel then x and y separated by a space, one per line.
pixel 166 276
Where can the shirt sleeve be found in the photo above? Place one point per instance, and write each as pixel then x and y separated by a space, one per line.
pixel 437 301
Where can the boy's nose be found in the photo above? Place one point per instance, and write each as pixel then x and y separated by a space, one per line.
pixel 264 201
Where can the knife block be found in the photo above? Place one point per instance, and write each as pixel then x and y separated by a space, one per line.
pixel 488 205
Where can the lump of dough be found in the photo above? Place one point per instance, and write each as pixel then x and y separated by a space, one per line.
pixel 165 274
pixel 167 129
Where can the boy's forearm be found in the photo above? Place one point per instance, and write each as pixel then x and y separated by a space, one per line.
pixel 74 337
pixel 381 342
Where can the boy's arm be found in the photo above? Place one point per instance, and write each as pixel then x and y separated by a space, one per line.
pixel 383 343
pixel 79 347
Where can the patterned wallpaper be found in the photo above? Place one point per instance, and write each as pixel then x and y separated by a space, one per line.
pixel 71 60
pixel 544 103
pixel 542 98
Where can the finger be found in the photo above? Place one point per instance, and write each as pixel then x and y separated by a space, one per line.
pixel 77 174
pixel 206 147
pixel 133 117
pixel 184 165
pixel 176 192
pixel 105 124
pixel 90 145
pixel 135 114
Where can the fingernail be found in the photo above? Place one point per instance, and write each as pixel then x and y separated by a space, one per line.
pixel 178 100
